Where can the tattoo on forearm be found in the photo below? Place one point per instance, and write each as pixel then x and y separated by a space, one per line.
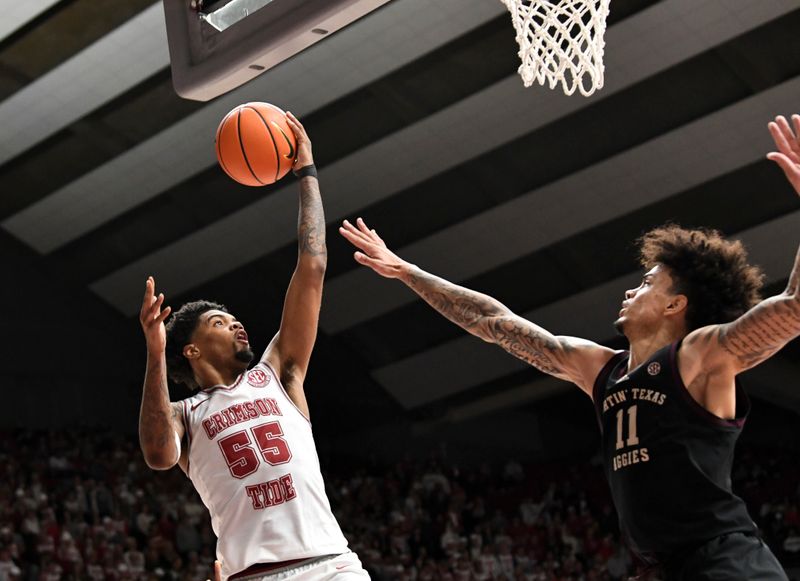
pixel 762 331
pixel 462 306
pixel 157 414
pixel 535 347
pixel 491 321
pixel 311 222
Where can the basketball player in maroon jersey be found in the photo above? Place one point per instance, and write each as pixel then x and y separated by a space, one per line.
pixel 244 437
pixel 670 407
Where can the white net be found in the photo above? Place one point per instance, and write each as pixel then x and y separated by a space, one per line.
pixel 561 41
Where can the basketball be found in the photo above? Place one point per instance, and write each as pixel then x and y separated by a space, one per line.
pixel 255 145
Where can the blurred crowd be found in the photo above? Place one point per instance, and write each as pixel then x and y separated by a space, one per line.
pixel 82 505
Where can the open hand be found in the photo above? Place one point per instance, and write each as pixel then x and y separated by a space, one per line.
pixel 152 317
pixel 787 141
pixel 373 250
pixel 304 155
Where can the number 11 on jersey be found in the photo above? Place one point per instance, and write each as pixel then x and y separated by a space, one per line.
pixel 637 454
pixel 632 439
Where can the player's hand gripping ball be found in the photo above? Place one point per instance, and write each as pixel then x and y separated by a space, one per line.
pixel 255 145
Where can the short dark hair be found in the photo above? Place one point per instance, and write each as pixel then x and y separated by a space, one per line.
pixel 711 271
pixel 180 328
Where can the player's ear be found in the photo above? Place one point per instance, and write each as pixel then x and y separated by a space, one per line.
pixel 191 351
pixel 677 304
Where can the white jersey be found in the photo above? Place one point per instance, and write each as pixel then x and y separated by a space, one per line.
pixel 253 461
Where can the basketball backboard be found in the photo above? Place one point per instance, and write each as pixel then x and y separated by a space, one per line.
pixel 215 46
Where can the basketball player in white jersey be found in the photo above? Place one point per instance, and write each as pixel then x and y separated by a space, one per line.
pixel 244 439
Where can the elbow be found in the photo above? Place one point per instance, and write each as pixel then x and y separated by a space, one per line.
pixel 159 460
pixel 158 463
pixel 795 306
pixel 791 298
pixel 314 265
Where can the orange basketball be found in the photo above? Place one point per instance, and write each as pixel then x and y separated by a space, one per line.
pixel 255 145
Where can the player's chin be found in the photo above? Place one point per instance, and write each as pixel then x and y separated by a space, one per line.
pixel 619 325
pixel 245 355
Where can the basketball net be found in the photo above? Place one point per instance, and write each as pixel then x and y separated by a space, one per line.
pixel 561 41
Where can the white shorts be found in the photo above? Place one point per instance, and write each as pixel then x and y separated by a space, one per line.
pixel 344 567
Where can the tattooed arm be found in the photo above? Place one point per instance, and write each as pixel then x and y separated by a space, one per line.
pixel 290 351
pixel 766 328
pixel 771 324
pixel 568 358
pixel 712 356
pixel 160 422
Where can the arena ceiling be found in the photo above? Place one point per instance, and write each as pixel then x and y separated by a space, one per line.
pixel 420 125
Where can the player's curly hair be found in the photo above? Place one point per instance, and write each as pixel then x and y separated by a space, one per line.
pixel 711 271
pixel 179 333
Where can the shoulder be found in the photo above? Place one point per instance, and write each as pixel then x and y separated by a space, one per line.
pixel 589 360
pixel 603 366
pixel 700 354
pixel 701 348
pixel 182 409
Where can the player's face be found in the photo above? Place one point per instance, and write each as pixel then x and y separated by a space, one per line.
pixel 222 339
pixel 645 306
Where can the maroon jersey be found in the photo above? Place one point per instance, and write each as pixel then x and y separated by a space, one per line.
pixel 667 459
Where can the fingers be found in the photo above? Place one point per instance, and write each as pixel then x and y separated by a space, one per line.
pixel 784 137
pixel 796 122
pixel 217 571
pixel 157 304
pixel 355 232
pixel 370 233
pixel 790 169
pixel 362 258
pixel 295 124
pixel 778 137
pixel 363 227
pixel 154 311
pixel 782 160
pixel 291 116
pixel 782 122
pixel 354 236
pixel 383 269
pixel 149 289
pixel 163 316
pixel 151 312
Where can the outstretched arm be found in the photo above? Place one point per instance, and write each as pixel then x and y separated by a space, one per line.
pixel 771 324
pixel 766 328
pixel 160 422
pixel 290 351
pixel 568 358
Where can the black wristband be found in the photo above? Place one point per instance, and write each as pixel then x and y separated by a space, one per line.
pixel 306 171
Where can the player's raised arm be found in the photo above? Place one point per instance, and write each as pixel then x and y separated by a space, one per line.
pixel 766 328
pixel 290 351
pixel 568 358
pixel 772 323
pixel 160 422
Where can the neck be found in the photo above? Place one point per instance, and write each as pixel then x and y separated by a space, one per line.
pixel 642 348
pixel 207 375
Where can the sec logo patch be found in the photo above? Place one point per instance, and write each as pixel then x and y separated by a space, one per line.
pixel 257 378
pixel 654 368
